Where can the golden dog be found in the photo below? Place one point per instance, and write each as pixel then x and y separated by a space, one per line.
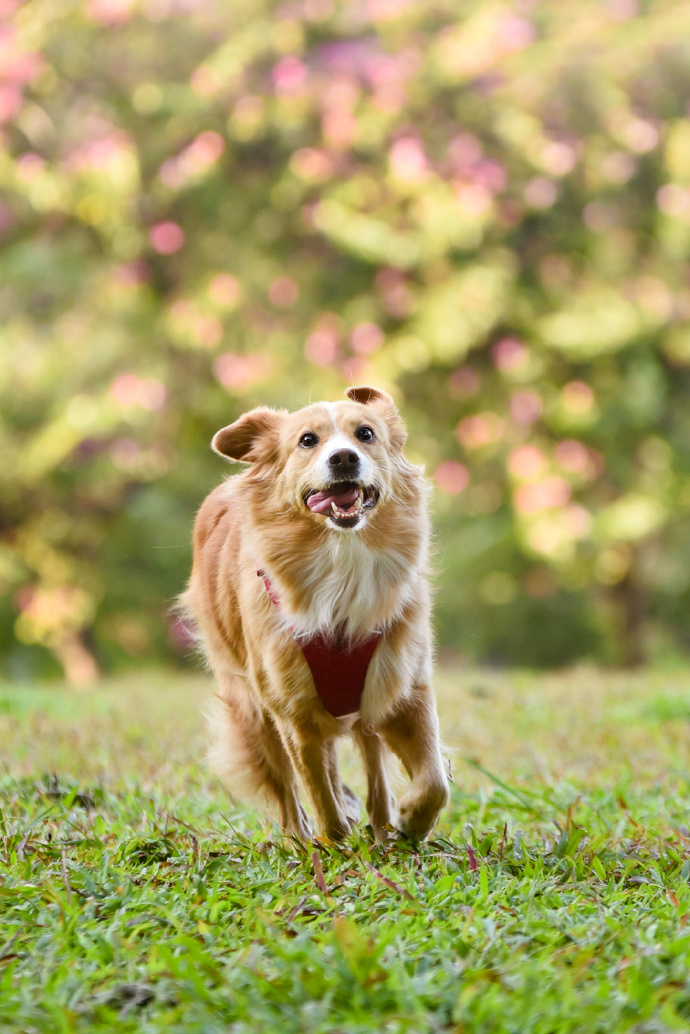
pixel 309 591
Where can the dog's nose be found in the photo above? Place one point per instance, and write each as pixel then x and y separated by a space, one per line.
pixel 343 461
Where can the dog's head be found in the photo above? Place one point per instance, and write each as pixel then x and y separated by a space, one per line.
pixel 334 463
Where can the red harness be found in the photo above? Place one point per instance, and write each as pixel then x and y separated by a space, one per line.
pixel 339 670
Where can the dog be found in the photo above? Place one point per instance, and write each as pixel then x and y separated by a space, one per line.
pixel 309 591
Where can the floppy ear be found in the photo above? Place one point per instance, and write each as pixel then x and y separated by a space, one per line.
pixel 253 437
pixel 365 394
pixel 384 405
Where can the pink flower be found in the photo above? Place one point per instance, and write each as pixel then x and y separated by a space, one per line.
pixel 289 75
pixel 366 338
pixel 452 477
pixel 322 344
pixel 536 496
pixel 509 354
pixel 224 290
pixel 283 292
pixel 464 382
pixel 408 160
pixel 526 462
pixel 572 456
pixel 237 373
pixel 481 429
pixel 166 238
pixel 525 408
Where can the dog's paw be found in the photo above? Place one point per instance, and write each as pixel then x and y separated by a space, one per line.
pixel 419 810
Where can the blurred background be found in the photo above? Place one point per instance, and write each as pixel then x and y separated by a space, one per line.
pixel 483 207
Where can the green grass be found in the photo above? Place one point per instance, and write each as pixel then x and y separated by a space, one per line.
pixel 136 896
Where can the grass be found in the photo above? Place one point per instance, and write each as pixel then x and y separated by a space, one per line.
pixel 554 897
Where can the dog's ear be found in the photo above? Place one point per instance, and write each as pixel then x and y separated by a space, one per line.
pixel 253 437
pixel 367 395
pixel 383 404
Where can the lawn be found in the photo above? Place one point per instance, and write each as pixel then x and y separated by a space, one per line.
pixel 554 897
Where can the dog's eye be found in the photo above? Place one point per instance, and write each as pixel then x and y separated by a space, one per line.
pixel 365 434
pixel 309 440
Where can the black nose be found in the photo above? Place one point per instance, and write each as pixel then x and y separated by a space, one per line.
pixel 343 461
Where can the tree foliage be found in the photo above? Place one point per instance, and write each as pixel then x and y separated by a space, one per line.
pixel 482 206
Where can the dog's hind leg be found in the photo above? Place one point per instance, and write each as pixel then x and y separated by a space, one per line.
pixel 380 800
pixel 248 753
pixel 412 733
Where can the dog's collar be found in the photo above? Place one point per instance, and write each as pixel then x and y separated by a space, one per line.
pixel 339 669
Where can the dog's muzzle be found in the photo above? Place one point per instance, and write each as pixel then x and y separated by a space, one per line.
pixel 343 503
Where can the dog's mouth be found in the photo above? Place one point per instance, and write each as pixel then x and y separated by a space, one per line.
pixel 343 503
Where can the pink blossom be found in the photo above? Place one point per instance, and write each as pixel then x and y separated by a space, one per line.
pixel 577 397
pixel 312 165
pixel 526 462
pixel 110 12
pixel 339 127
pixel 237 373
pixel 481 429
pixel 29 166
pixel 194 160
pixel 509 354
pixel 322 345
pixel 474 198
pixel 535 496
pixel 203 330
pixel 673 199
pixel 289 76
pixel 525 408
pixel 224 290
pixel 408 160
pixel 166 238
pixel 130 274
pixel 10 101
pixel 366 338
pixel 464 382
pixel 205 81
pixel 354 369
pixel 283 292
pixel 490 174
pixel 558 158
pixel 464 150
pixel 392 286
pixel 514 33
pixel 386 10
pixel 17 67
pixel 128 390
pixel 540 193
pixel 572 456
pixel 641 136
pixel 452 477
pixel 577 521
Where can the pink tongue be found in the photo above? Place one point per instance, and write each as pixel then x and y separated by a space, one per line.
pixel 320 502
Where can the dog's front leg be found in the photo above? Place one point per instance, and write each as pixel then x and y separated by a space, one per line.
pixel 413 735
pixel 315 759
pixel 380 800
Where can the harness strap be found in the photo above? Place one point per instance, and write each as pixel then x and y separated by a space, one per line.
pixel 339 670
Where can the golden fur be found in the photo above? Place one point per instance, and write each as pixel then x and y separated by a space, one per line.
pixel 271 728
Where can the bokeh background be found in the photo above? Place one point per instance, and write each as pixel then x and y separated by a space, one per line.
pixel 483 207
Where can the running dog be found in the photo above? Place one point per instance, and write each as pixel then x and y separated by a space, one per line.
pixel 309 591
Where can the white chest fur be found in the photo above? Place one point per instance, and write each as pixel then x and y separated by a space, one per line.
pixel 350 584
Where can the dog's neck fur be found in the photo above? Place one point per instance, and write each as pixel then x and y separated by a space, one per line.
pixel 348 583
pixel 345 588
